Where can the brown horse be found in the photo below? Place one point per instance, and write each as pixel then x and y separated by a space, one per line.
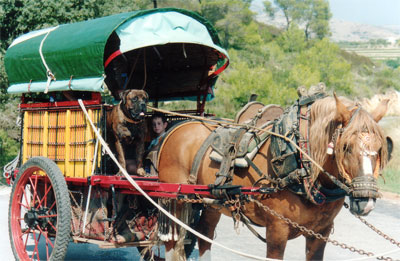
pixel 360 150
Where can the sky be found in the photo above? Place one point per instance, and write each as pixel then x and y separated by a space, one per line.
pixel 374 12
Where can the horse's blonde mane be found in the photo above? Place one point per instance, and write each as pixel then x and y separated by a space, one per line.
pixel 323 125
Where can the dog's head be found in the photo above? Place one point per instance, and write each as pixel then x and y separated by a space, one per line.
pixel 135 102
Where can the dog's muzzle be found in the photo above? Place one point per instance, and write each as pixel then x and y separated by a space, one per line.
pixel 140 113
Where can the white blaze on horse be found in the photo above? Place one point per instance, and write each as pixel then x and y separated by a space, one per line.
pixel 357 152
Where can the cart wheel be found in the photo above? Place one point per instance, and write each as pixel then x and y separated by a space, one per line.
pixel 39 212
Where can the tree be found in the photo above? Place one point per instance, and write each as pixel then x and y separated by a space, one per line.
pixel 313 15
pixel 234 22
pixel 21 16
pixel 316 16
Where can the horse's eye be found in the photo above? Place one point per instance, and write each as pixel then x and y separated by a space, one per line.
pixel 347 148
pixel 134 98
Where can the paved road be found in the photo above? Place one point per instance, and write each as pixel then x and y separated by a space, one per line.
pixel 348 230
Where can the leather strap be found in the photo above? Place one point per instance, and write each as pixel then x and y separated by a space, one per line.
pixel 226 168
pixel 199 156
pixel 246 221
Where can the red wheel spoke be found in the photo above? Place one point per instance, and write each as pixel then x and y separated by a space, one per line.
pixel 47 251
pixel 52 206
pixel 22 204
pixel 45 196
pixel 45 236
pixel 36 250
pixel 23 191
pixel 34 189
pixel 27 237
pixel 51 224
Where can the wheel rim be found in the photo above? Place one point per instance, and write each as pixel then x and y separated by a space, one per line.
pixel 33 214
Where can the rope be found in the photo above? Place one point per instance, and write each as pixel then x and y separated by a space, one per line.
pixel 49 74
pixel 140 190
pixel 90 186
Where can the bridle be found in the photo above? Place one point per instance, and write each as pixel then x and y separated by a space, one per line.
pixel 363 186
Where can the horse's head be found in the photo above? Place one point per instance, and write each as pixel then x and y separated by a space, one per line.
pixel 358 150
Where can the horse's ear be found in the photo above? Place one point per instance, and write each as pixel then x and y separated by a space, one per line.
pixel 343 115
pixel 380 110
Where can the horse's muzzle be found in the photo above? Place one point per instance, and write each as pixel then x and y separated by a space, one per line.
pixel 364 192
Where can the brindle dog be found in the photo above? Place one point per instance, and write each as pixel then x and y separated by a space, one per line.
pixel 126 120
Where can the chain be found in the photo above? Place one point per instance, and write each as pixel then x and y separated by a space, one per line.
pixel 379 232
pixel 191 200
pixel 311 232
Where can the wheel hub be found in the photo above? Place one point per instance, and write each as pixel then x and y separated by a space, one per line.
pixel 36 217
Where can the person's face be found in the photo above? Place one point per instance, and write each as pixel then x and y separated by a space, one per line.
pixel 159 126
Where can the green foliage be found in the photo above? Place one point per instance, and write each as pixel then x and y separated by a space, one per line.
pixel 233 21
pixel 293 40
pixel 390 180
pixel 8 150
pixel 324 57
pixel 313 15
pixel 386 78
pixel 393 63
pixel 240 81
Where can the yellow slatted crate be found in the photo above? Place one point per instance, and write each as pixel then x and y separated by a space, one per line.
pixel 64 136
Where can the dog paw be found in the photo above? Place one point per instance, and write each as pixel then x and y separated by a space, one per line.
pixel 120 174
pixel 141 172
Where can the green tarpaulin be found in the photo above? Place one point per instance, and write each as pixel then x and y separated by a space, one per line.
pixel 74 53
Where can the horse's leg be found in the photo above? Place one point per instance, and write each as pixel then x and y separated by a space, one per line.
pixel 315 247
pixel 170 254
pixel 277 235
pixel 174 248
pixel 207 224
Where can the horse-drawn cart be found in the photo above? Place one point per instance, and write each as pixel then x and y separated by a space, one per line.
pixel 68 183
pixel 64 185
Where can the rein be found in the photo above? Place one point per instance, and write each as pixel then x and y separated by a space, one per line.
pixel 224 123
pixel 344 185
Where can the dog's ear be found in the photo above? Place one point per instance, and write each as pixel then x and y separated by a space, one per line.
pixel 122 96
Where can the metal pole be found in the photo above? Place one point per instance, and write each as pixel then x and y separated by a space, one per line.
pixel 155 3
